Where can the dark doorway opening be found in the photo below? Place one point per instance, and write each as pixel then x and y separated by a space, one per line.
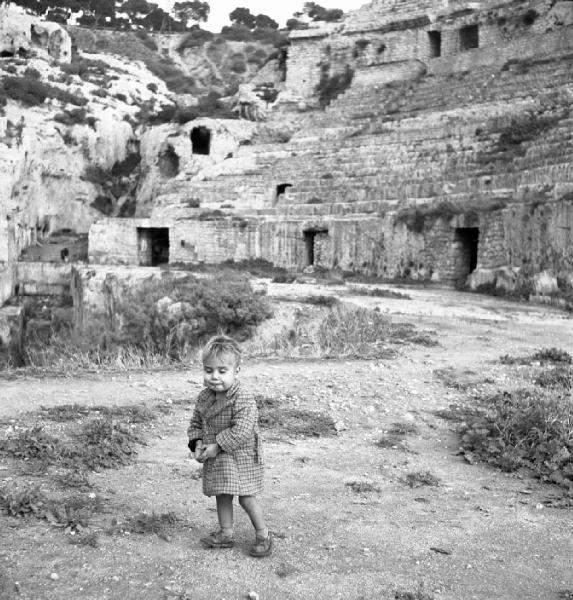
pixel 435 39
pixel 309 237
pixel 469 37
pixel 153 245
pixel 201 140
pixel 468 238
pixel 281 190
pixel 312 237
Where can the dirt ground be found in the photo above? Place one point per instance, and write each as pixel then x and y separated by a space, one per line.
pixel 480 534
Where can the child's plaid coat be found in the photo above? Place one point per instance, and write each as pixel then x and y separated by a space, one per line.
pixel 233 424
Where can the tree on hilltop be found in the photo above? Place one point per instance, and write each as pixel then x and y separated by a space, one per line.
pixel 137 9
pixel 192 11
pixel 315 12
pixel 265 22
pixel 243 16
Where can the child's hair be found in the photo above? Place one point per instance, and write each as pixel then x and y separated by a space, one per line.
pixel 219 345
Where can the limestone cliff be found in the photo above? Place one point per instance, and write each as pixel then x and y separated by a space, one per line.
pixel 68 145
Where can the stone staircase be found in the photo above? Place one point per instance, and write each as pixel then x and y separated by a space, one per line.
pixel 378 148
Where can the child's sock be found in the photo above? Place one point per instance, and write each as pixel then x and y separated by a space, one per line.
pixel 262 534
pixel 227 532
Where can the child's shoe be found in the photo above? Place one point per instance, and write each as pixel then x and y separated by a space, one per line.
pixel 262 547
pixel 217 539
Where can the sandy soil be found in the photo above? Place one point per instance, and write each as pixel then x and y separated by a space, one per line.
pixel 480 534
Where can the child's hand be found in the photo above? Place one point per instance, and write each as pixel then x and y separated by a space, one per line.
pixel 210 451
pixel 199 448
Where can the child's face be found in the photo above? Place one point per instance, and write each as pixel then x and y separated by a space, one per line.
pixel 219 373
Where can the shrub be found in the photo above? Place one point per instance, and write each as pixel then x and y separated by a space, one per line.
pixel 346 331
pixel 524 428
pixel 238 65
pixel 195 39
pixel 31 73
pixel 421 478
pixel 224 303
pixel 378 292
pixel 75 116
pixel 236 33
pixel 103 204
pixel 32 92
pixel 96 174
pixel 148 41
pixel 331 86
pixel 521 128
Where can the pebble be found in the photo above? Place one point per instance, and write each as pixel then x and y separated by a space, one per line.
pixel 253 596
pixel 54 576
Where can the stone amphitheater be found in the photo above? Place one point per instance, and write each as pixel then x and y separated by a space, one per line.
pixel 427 140
pixel 445 155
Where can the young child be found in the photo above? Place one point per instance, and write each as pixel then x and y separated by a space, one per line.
pixel 224 436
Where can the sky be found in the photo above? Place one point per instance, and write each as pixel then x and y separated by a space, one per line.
pixel 278 10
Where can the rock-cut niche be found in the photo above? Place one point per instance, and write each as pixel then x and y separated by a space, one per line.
pixel 201 140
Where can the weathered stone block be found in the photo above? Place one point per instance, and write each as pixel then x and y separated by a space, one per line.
pixel 545 283
pixel 12 330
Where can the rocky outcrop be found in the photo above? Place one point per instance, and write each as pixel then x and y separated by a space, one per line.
pixel 23 35
pixel 69 149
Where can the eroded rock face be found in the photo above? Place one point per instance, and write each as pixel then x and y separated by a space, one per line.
pixel 24 35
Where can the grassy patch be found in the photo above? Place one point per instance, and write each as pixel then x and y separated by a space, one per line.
pixel 345 331
pixel 394 438
pixel 421 479
pixel 378 293
pixel 544 355
pixel 131 414
pixel 523 428
pixel 456 380
pixel 71 513
pixel 419 594
pixel 159 324
pixel 160 525
pixel 95 443
pixel 512 136
pixel 417 218
pixel 362 487
pixel 403 428
pixel 273 415
pixel 392 442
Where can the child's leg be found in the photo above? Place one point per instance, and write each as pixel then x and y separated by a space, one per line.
pixel 225 513
pixel 252 507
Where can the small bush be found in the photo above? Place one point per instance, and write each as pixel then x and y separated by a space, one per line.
pixel 331 86
pixel 32 92
pixel 362 487
pixel 238 66
pixel 225 303
pixel 148 41
pixel 524 428
pixel 544 355
pixel 22 502
pixel 378 293
pixel 421 478
pixel 31 73
pixel 294 422
pixel 32 443
pixel 75 116
pixel 346 331
pixel 195 39
pixel 320 300
pixel 144 524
